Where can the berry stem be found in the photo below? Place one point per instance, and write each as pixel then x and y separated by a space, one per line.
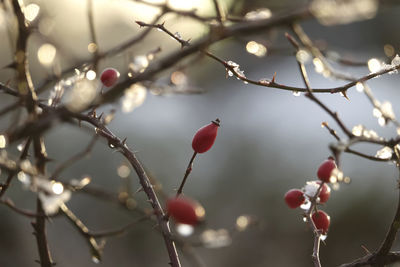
pixel 317 233
pixel 188 171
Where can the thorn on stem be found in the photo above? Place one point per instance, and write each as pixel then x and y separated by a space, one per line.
pixel 273 77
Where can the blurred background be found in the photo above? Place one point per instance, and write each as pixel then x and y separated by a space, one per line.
pixel 269 141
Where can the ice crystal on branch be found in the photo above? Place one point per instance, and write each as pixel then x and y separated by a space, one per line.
pixel 236 69
pixel 259 14
pixel 384 153
pixel 396 60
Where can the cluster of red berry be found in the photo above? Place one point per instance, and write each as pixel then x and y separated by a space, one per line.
pixel 294 198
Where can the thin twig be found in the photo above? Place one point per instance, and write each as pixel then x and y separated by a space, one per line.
pixel 96 249
pixel 9 203
pixel 391 234
pixel 39 227
pixel 119 231
pixel 187 172
pixel 161 27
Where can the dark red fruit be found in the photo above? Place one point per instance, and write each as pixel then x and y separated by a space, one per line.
pixel 184 210
pixel 325 193
pixel 205 137
pixel 321 221
pixel 109 77
pixel 294 198
pixel 325 170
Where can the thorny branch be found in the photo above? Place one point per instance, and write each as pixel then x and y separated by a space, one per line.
pixel 34 127
pixel 27 92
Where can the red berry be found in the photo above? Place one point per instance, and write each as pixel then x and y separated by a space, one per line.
pixel 325 193
pixel 185 210
pixel 294 198
pixel 325 170
pixel 321 221
pixel 109 77
pixel 205 137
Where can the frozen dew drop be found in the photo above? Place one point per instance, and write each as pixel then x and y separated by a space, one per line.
pixel 46 54
pixel 318 65
pixel 346 180
pixel 305 219
pixel 387 110
pixel 31 12
pixel 230 73
pixel 78 184
pixel 57 188
pixel 396 60
pixel 306 205
pixel 336 175
pixel 245 82
pixel 232 64
pixel 91 75
pixel 26 166
pixel 323 237
pixel 376 112
pixel 370 134
pixel 296 93
pixel 111 145
pixel 178 35
pixel 24 178
pixel 384 153
pixel 262 13
pixel 20 146
pixel 358 130
pixel 311 188
pixel 95 259
pixel 3 141
pixel 85 181
pixel 359 87
pixel 374 65
pixel 184 229
pixel 381 121
pixel 303 56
